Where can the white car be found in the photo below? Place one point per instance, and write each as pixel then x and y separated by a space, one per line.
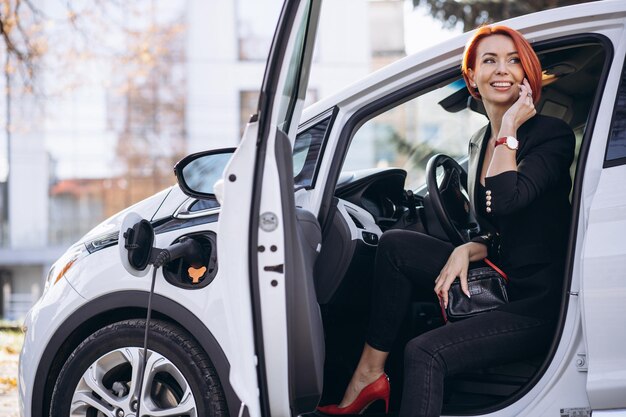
pixel 264 313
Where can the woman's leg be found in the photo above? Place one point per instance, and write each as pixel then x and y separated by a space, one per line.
pixel 486 340
pixel 404 260
pixel 370 367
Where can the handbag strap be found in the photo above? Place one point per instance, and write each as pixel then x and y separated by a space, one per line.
pixel 495 268
pixel 443 310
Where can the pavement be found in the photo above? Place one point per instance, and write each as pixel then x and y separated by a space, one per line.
pixel 8 383
pixel 8 404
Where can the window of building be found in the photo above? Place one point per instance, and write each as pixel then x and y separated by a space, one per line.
pixel 254 34
pixel 4 212
pixel 389 15
pixel 248 104
pixel 249 101
pixel 4 190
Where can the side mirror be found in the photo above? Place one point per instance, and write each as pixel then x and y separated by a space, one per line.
pixel 198 172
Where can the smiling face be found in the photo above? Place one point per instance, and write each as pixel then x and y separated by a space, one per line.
pixel 498 71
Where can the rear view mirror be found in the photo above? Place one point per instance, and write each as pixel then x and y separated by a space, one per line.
pixel 198 172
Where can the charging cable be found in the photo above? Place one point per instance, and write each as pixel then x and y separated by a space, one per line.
pixel 144 361
pixel 187 248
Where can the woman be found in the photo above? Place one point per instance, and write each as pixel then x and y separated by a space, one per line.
pixel 519 185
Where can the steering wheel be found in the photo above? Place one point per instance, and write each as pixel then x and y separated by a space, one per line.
pixel 450 204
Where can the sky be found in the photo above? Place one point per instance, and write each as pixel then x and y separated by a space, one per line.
pixel 422 31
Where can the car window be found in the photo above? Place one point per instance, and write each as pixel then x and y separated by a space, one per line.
pixel 291 89
pixel 306 153
pixel 409 134
pixel 616 151
pixel 204 204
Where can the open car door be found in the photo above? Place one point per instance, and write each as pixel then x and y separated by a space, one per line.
pixel 275 317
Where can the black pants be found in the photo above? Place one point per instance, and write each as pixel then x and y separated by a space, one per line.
pixel 407 262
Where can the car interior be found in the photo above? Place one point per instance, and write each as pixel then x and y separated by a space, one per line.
pixel 367 202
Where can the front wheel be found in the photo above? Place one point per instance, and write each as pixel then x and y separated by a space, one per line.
pixel 100 378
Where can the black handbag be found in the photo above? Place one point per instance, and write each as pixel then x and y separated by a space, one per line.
pixel 487 287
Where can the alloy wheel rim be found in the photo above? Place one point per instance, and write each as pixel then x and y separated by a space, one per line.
pixel 110 387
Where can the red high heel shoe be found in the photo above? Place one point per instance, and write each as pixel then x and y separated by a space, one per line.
pixel 377 390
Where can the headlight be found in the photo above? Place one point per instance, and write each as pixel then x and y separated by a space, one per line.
pixel 75 253
pixel 102 241
pixel 64 263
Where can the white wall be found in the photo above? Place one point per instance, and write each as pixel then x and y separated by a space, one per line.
pixel 342 50
pixel 212 106
pixel 216 75
pixel 28 179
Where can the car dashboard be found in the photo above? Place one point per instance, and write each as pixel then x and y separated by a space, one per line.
pixel 366 204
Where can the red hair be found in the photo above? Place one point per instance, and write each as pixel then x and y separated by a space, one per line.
pixel 528 57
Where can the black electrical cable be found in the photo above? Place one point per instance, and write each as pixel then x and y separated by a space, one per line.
pixel 158 258
pixel 145 340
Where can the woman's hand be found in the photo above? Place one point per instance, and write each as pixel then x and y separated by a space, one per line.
pixel 522 110
pixel 456 266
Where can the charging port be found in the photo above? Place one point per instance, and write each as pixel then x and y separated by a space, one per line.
pixel 183 274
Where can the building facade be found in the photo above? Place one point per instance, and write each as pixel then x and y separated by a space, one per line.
pixel 201 99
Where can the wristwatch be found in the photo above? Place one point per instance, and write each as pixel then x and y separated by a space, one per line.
pixel 510 142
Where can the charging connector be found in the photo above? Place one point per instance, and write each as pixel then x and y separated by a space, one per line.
pixel 187 248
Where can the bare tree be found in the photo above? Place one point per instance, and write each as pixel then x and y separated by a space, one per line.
pixel 146 94
pixel 150 117
pixel 22 37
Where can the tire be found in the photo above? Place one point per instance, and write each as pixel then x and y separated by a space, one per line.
pixel 100 376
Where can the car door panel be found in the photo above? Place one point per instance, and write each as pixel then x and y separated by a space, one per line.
pixel 304 323
pixel 258 222
pixel 236 207
pixel 603 292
